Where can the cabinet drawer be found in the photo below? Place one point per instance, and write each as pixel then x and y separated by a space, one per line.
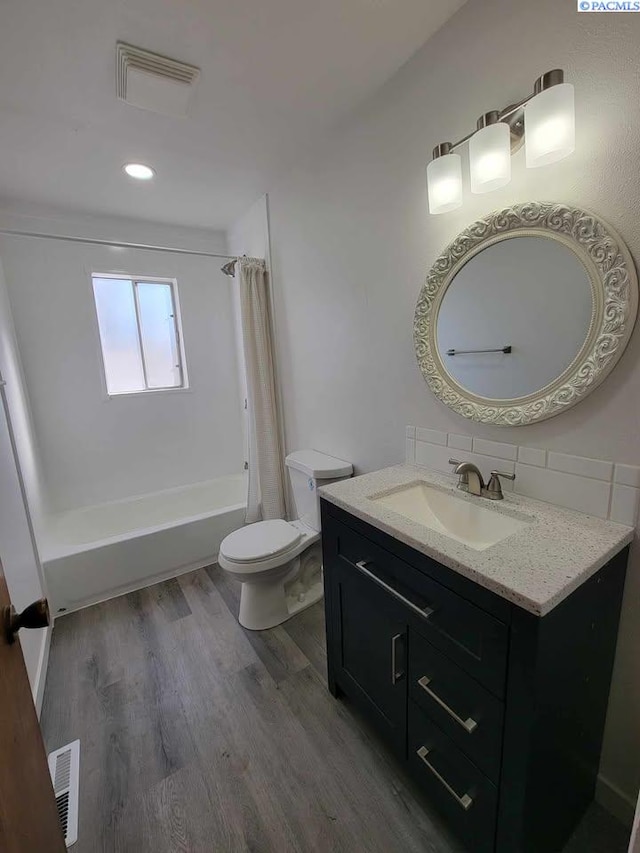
pixel 472 638
pixel 454 784
pixel 464 710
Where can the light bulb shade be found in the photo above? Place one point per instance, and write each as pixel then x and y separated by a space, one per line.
pixel 444 183
pixel 550 125
pixel 490 158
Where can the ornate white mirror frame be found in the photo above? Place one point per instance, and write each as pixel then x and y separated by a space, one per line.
pixel 614 289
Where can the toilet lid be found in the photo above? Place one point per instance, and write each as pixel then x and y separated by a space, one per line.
pixel 259 541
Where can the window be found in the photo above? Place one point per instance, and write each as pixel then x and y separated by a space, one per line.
pixel 139 334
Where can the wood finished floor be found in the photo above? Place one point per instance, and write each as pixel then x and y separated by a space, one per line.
pixel 197 735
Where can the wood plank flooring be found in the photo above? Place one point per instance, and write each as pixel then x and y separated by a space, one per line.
pixel 199 736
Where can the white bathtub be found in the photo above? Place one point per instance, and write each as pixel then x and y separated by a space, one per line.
pixel 101 551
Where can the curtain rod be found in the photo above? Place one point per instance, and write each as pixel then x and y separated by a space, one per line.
pixel 118 245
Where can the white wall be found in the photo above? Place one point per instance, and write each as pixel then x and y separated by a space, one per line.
pixel 352 242
pixel 249 235
pixel 93 448
pixel 20 410
pixel 20 488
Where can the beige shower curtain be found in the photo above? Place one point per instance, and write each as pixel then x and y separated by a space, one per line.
pixel 266 498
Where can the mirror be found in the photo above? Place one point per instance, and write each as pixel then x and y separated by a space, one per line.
pixel 501 299
pixel 524 313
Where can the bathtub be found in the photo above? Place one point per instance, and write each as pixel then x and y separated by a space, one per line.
pixel 98 552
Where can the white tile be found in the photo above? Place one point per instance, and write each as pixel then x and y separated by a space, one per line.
pixel 562 489
pixel 433 456
pixel 487 464
pixel 532 456
pixel 495 448
pixel 627 475
pixel 461 442
pixel 411 432
pixel 410 451
pixel 435 436
pixel 596 468
pixel 624 505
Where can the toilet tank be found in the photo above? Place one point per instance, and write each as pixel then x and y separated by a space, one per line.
pixel 308 470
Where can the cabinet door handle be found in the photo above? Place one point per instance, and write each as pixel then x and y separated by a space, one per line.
pixel 424 612
pixel 469 725
pixel 465 800
pixel 395 675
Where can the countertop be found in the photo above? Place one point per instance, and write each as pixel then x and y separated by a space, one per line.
pixel 536 567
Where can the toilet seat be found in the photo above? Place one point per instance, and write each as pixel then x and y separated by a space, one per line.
pixel 260 541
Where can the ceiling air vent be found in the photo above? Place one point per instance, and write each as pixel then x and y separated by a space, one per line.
pixel 153 82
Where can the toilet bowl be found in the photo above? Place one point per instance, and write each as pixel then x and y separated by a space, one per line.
pixel 279 563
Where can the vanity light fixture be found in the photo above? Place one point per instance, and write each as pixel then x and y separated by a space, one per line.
pixel 490 154
pixel 550 120
pixel 444 177
pixel 544 121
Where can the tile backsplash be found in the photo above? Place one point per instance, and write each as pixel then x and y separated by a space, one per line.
pixel 595 486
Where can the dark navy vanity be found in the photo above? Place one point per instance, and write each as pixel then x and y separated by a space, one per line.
pixel 497 713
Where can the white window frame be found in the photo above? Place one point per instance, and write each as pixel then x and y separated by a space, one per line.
pixel 177 321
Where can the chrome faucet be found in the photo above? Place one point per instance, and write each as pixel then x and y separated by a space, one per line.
pixel 470 477
pixel 470 480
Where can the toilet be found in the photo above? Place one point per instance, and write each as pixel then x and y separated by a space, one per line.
pixel 279 563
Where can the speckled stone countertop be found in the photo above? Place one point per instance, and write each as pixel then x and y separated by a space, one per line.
pixel 536 567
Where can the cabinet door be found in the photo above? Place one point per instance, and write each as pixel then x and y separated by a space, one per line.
pixel 370 638
pixel 472 638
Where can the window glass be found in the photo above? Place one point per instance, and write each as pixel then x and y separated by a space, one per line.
pixel 138 334
pixel 119 335
pixel 158 332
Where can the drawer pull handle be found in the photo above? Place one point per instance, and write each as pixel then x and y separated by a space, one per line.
pixel 469 725
pixel 395 675
pixel 465 800
pixel 424 612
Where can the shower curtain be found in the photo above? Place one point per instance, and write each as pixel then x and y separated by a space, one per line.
pixel 266 498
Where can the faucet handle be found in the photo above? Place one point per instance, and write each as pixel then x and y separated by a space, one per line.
pixel 494 486
pixel 504 474
pixel 455 462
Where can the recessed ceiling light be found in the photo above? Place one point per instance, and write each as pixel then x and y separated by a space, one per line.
pixel 139 171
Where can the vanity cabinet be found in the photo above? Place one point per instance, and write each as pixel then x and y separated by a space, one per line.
pixel 497 713
pixel 371 635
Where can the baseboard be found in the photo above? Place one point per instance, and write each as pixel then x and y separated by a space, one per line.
pixel 143 583
pixel 41 677
pixel 615 801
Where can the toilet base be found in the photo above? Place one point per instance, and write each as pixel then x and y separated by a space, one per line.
pixel 263 606
pixel 311 596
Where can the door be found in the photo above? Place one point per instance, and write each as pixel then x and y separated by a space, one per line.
pixel 371 651
pixel 28 813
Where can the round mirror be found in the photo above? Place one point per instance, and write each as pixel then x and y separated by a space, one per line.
pixel 524 313
pixel 496 334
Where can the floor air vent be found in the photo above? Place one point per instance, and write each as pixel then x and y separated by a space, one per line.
pixel 64 767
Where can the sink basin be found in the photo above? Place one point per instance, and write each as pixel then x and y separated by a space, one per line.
pixel 468 521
